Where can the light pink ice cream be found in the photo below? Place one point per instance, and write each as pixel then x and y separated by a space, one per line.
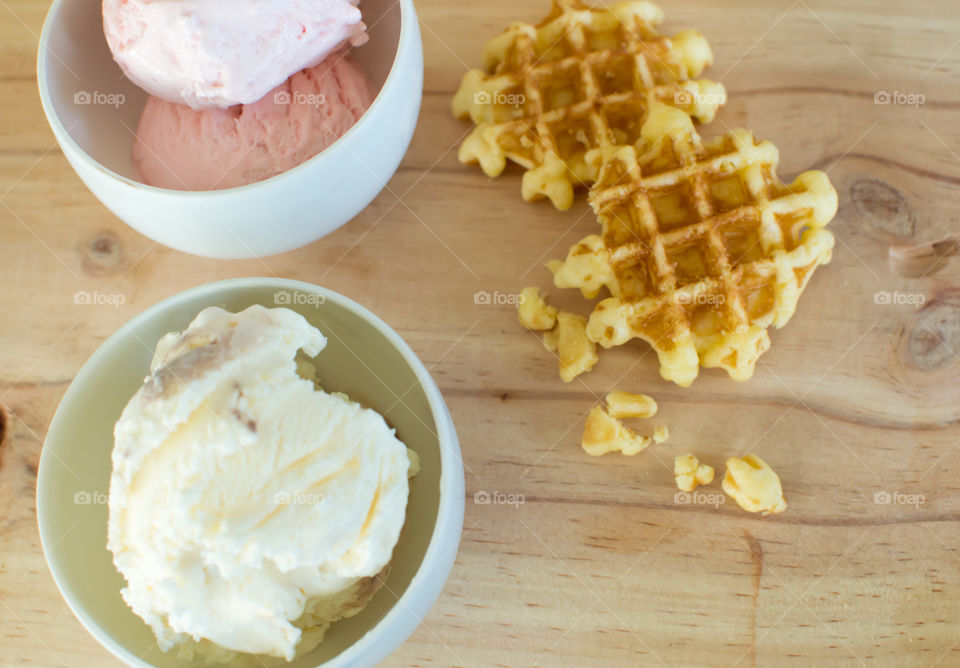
pixel 184 149
pixel 218 53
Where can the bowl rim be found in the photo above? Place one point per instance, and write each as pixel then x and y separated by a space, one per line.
pixel 407 15
pixel 448 526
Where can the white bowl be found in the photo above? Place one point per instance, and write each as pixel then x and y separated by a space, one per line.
pixel 93 111
pixel 364 358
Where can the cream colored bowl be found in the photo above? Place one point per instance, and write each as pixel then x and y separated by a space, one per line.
pixel 93 110
pixel 364 358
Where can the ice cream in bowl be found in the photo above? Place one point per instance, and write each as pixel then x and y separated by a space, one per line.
pixel 252 472
pixel 232 129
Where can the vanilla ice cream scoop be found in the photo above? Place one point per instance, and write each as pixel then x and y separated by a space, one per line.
pixel 218 53
pixel 241 492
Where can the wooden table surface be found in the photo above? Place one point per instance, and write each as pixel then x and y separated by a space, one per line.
pixel 856 403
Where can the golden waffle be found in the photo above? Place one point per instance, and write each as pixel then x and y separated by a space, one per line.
pixel 580 80
pixel 703 247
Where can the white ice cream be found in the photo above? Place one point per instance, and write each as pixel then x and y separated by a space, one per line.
pixel 240 491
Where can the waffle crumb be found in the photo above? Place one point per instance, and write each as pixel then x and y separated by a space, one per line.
pixel 533 312
pixel 576 353
pixel 753 485
pixel 689 472
pixel 629 405
pixel 604 433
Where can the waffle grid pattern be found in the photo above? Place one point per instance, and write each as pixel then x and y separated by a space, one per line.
pixel 582 80
pixel 702 247
pixel 706 247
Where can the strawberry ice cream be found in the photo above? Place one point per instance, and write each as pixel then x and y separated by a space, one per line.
pixel 185 149
pixel 218 53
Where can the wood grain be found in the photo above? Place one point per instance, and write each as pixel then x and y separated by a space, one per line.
pixel 598 566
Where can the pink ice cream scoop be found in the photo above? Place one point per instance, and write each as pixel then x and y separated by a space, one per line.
pixel 218 53
pixel 185 149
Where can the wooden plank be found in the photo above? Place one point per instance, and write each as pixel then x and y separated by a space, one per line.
pixel 598 566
